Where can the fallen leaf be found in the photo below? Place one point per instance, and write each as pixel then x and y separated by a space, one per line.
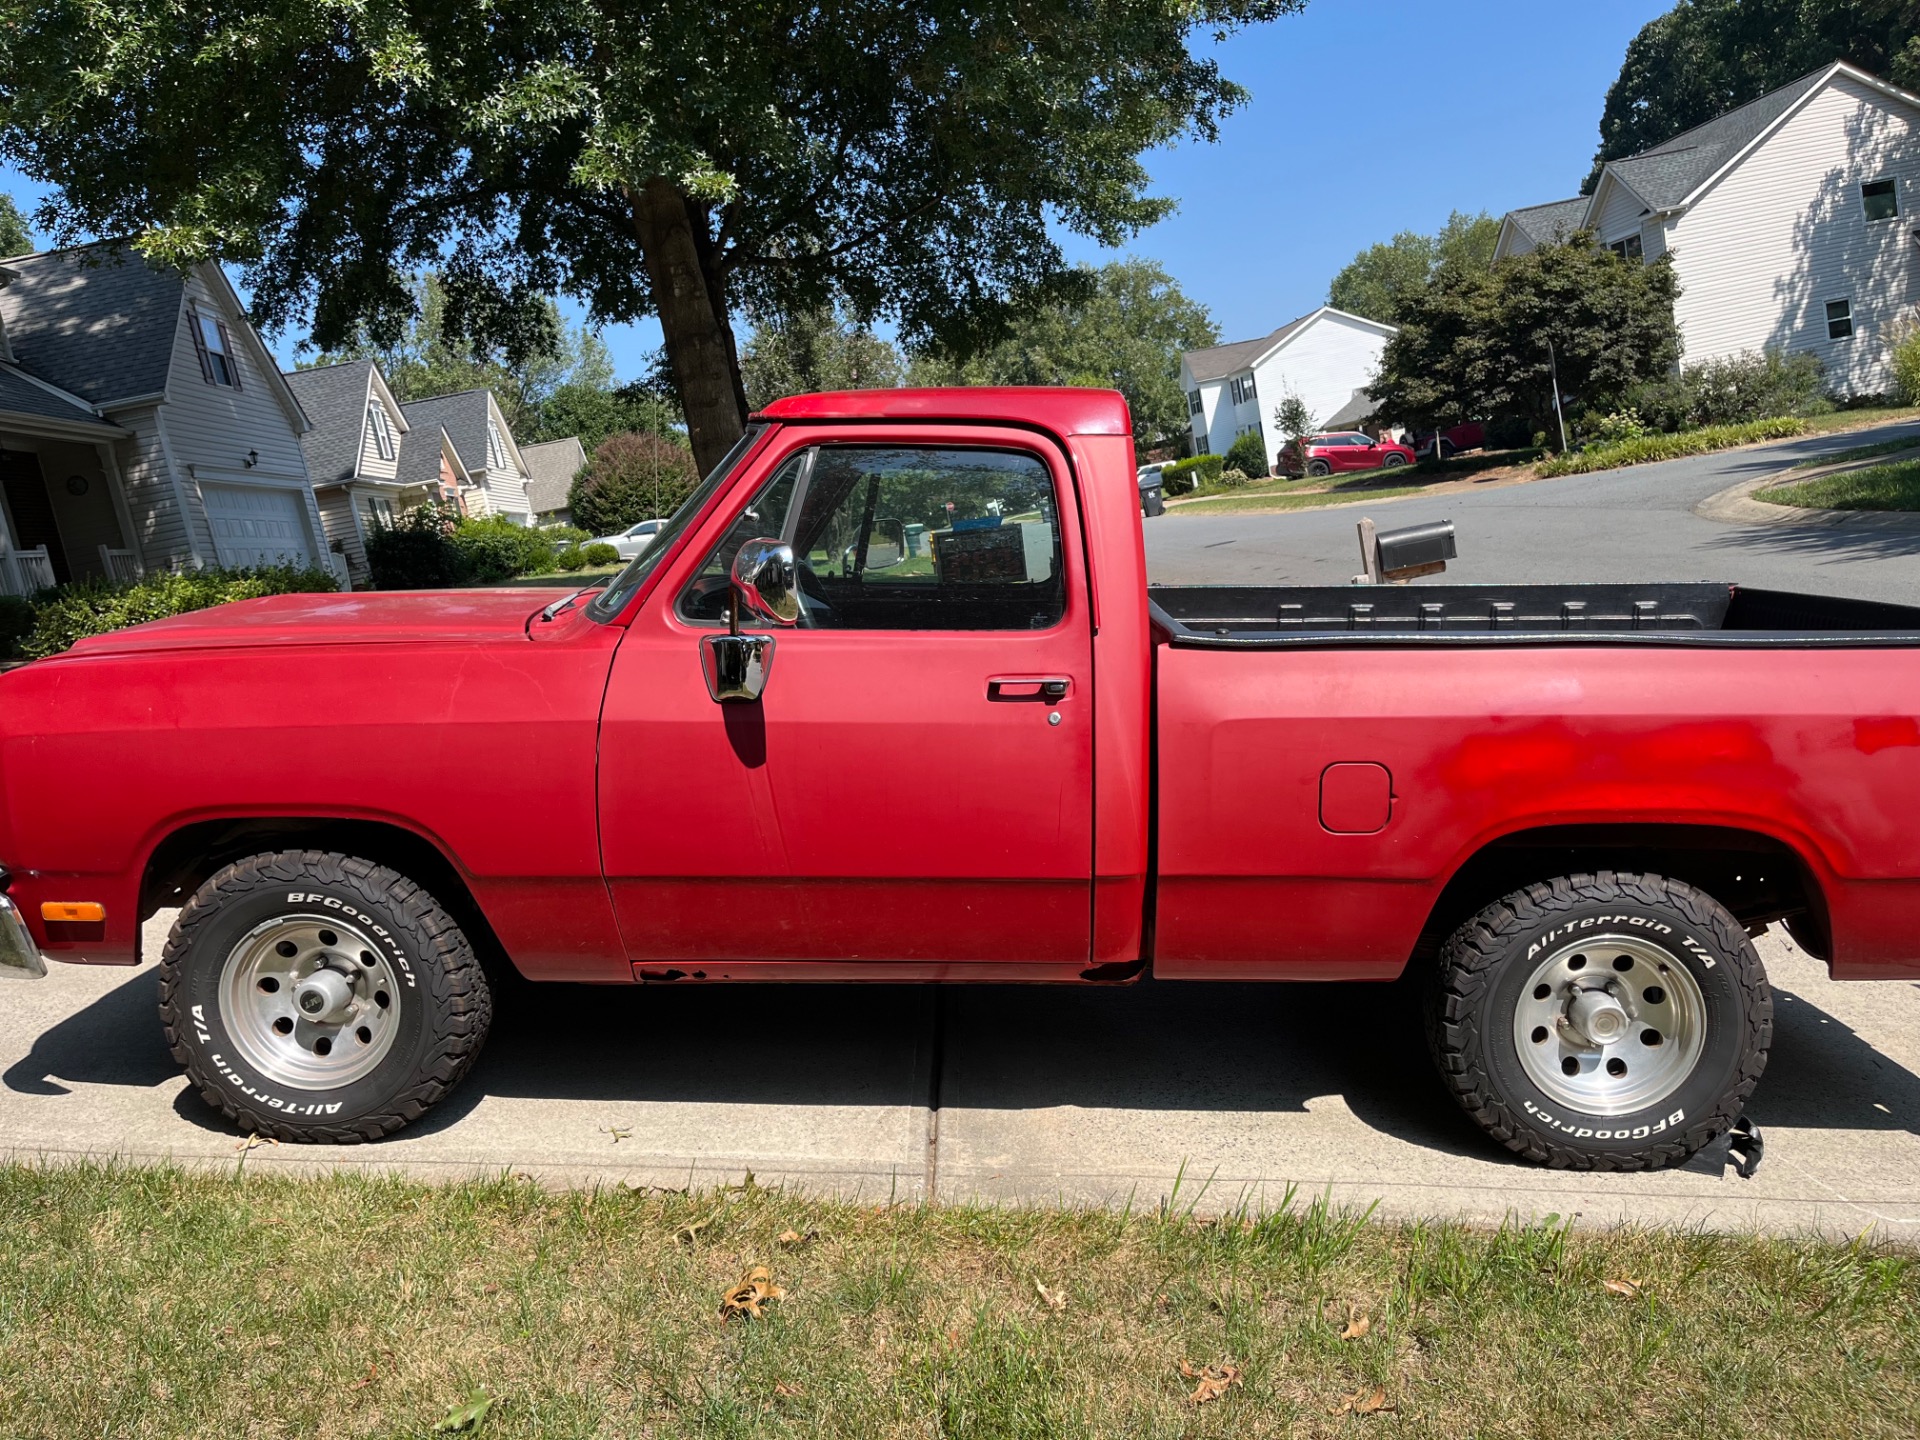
pixel 254 1141
pixel 616 1132
pixel 1056 1299
pixel 1356 1327
pixel 366 1379
pixel 1363 1402
pixel 1213 1381
pixel 791 1238
pixel 792 1392
pixel 755 1289
pixel 1628 1288
pixel 468 1417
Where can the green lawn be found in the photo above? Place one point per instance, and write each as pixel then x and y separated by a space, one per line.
pixel 1311 492
pixel 141 1303
pixel 1860 452
pixel 1878 487
pixel 1861 417
pixel 1298 497
pixel 563 579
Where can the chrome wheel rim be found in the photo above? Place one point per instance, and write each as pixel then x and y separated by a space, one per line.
pixel 309 1002
pixel 1610 1025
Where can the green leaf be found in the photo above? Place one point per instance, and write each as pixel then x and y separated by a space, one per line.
pixel 468 1418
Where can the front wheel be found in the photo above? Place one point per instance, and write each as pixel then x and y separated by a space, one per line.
pixel 1393 461
pixel 1602 1022
pixel 315 996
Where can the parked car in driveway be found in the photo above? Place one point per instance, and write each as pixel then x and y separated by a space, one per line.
pixel 632 540
pixel 1471 435
pixel 991 755
pixel 1343 451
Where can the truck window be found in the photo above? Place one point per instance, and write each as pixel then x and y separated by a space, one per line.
pixel 905 538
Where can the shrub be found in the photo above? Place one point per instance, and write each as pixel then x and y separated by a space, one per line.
pixel 1754 385
pixel 1248 454
pixel 1233 478
pixel 94 607
pixel 1613 427
pixel 1903 350
pixel 1181 477
pixel 1509 432
pixel 571 559
pixel 1671 447
pixel 495 549
pixel 16 623
pixel 562 535
pixel 416 552
pixel 630 478
pixel 601 554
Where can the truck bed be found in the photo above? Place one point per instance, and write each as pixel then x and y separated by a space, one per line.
pixel 1684 614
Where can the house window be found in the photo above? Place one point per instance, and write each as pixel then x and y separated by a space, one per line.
pixel 496 447
pixel 1242 389
pixel 1627 249
pixel 382 429
pixel 1839 319
pixel 379 512
pixel 1193 402
pixel 1200 446
pixel 210 338
pixel 1880 199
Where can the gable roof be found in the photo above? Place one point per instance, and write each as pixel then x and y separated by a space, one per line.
pixel 335 399
pixel 463 415
pixel 23 394
pixel 98 320
pixel 1220 361
pixel 1550 223
pixel 1666 174
pixel 551 466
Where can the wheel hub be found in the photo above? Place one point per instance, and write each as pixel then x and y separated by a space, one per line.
pixel 324 997
pixel 1610 1025
pixel 311 1003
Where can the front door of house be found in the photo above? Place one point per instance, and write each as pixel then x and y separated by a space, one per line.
pixel 30 519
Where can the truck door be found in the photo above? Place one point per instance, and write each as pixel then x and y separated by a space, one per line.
pixel 915 784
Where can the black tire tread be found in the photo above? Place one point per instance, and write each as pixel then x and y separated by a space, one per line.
pixel 461 1022
pixel 1466 970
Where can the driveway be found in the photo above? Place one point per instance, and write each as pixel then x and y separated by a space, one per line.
pixel 1632 524
pixel 1207 1094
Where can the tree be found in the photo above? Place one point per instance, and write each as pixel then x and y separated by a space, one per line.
pixel 1704 57
pixel 689 161
pixel 1293 419
pixel 818 349
pixel 16 237
pixel 1125 333
pixel 1383 280
pixel 630 478
pixel 597 412
pixel 1475 345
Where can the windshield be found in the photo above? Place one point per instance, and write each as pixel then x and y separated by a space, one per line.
pixel 612 600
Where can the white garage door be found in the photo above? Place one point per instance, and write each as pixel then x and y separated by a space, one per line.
pixel 253 525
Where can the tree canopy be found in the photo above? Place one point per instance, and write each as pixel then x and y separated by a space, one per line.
pixel 630 478
pixel 690 161
pixel 1126 332
pixel 16 238
pixel 1704 57
pixel 819 349
pixel 1474 346
pixel 1382 280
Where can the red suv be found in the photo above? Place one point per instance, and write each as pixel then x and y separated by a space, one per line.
pixel 1344 450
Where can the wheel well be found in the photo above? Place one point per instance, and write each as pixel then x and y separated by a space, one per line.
pixel 1758 878
pixel 183 861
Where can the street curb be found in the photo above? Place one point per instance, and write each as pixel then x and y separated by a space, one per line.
pixel 1735 505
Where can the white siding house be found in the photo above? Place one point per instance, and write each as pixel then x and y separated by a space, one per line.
pixel 1793 223
pixel 1327 358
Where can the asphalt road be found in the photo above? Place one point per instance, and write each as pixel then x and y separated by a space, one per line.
pixel 1622 525
pixel 1021 1094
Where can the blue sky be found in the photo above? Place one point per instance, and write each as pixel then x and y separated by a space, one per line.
pixel 1367 117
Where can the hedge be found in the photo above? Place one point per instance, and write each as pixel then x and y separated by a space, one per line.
pixel 1182 476
pixel 69 613
pixel 432 548
pixel 1649 448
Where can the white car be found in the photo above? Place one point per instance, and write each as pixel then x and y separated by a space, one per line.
pixel 632 540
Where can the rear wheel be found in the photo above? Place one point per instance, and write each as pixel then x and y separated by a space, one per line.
pixel 1318 468
pixel 1602 1022
pixel 315 996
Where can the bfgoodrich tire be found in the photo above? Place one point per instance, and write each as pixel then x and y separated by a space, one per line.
pixel 314 996
pixel 1602 1022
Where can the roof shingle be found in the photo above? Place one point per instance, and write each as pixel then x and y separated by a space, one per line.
pixel 99 321
pixel 551 466
pixel 335 399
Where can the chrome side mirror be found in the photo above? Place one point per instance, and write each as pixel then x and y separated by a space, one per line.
pixel 736 665
pixel 764 583
pixel 886 545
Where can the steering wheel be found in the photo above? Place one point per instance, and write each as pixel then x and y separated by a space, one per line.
pixel 816 610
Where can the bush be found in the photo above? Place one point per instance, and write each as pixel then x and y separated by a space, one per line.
pixel 1903 351
pixel 1754 385
pixel 496 549
pixel 95 607
pixel 16 623
pixel 1509 432
pixel 1248 454
pixel 432 548
pixel 571 559
pixel 1672 447
pixel 630 478
pixel 562 535
pixel 601 554
pixel 1183 476
pixel 1613 428
pixel 1233 478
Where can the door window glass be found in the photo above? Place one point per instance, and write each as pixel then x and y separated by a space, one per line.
pixel 905 538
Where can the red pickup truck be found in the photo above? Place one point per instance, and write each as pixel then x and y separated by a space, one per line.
pixel 890 698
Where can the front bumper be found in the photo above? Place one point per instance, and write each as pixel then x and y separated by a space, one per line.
pixel 19 956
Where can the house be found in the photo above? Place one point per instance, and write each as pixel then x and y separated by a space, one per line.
pixel 358 433
pixel 143 425
pixel 1327 358
pixel 474 449
pixel 1792 223
pixel 551 467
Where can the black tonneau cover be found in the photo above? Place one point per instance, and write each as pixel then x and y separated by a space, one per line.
pixel 1273 617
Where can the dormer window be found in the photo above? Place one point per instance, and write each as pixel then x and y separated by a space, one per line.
pixel 218 366
pixel 496 446
pixel 382 429
pixel 1628 249
pixel 1242 389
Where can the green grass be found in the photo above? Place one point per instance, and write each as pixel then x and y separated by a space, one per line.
pixel 1878 487
pixel 1650 448
pixel 149 1303
pixel 1297 498
pixel 1859 417
pixel 1312 492
pixel 562 579
pixel 1860 452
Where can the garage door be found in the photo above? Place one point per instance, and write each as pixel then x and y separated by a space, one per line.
pixel 253 525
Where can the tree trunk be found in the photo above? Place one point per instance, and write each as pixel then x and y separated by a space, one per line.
pixel 693 318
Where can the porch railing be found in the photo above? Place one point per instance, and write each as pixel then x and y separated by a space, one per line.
pixel 23 572
pixel 119 565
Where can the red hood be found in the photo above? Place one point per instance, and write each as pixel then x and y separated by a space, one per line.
pixel 377 618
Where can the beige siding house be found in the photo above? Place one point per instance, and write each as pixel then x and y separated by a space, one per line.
pixel 476 445
pixel 1793 223
pixel 143 425
pixel 551 468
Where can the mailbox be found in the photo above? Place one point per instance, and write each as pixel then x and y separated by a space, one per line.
pixel 1407 553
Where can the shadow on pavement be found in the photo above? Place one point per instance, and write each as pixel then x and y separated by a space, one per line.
pixel 1151 1047
pixel 1823 544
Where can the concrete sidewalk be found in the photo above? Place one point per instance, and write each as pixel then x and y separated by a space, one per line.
pixel 1010 1095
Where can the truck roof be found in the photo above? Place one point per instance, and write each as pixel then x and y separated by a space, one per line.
pixel 1062 409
